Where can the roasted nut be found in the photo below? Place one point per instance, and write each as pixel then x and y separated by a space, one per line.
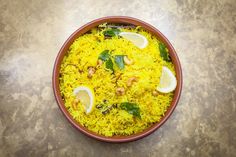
pixel 91 71
pixel 120 91
pixel 155 93
pixel 75 103
pixel 131 81
pixel 128 61
pixel 99 62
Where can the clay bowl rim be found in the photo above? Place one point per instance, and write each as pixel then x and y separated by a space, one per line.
pixel 122 20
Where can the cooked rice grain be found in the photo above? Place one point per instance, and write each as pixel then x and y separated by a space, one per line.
pixel 147 67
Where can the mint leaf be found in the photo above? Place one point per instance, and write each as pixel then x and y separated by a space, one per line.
pixel 119 60
pixel 163 52
pixel 131 108
pixel 111 32
pixel 109 64
pixel 104 55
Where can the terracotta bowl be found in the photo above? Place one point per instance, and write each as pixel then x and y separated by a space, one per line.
pixel 120 20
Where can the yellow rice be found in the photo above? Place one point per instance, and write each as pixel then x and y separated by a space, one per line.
pixel 84 52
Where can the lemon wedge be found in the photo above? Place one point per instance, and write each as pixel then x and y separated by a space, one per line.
pixel 168 81
pixel 138 40
pixel 86 97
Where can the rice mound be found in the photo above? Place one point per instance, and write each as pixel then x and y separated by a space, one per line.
pixel 84 52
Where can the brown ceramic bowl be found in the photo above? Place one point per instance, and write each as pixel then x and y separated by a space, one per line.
pixel 120 20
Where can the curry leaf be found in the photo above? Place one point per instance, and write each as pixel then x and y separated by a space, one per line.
pixel 119 60
pixel 104 55
pixel 163 52
pixel 131 108
pixel 109 64
pixel 111 32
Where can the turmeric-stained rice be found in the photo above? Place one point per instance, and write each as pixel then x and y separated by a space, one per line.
pixel 110 116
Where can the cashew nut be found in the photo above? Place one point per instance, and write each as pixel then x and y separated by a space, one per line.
pixel 155 93
pixel 91 71
pixel 120 91
pixel 99 62
pixel 128 61
pixel 131 81
pixel 74 104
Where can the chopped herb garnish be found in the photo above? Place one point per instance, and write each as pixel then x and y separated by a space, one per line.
pixel 131 108
pixel 104 55
pixel 111 32
pixel 163 52
pixel 107 57
pixel 119 60
pixel 109 64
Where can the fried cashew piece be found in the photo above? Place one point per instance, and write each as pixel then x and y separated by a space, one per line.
pixel 120 91
pixel 155 93
pixel 128 61
pixel 91 71
pixel 131 81
pixel 99 62
pixel 75 103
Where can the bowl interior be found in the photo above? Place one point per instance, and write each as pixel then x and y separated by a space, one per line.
pixel 120 20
